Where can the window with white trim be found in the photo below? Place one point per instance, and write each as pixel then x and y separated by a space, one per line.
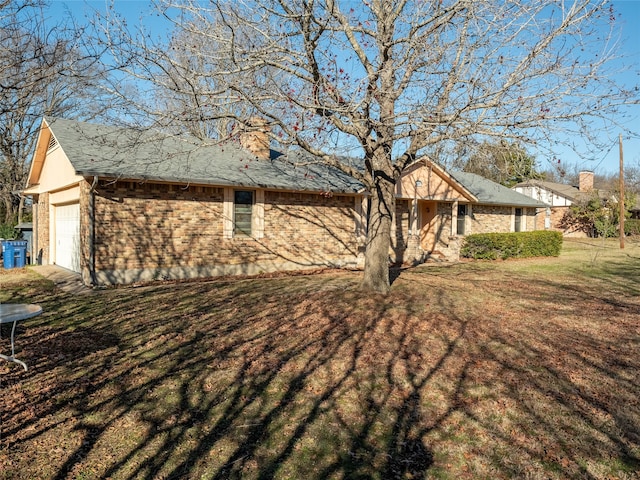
pixel 518 220
pixel 243 213
pixel 461 222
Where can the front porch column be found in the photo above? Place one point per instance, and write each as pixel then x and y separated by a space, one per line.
pixel 454 218
pixel 413 217
pixel 414 253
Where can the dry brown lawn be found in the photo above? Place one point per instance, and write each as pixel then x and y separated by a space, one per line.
pixel 479 370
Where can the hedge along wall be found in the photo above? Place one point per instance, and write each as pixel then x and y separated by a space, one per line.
pixel 632 226
pixel 491 246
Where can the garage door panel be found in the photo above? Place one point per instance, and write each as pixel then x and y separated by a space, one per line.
pixel 67 228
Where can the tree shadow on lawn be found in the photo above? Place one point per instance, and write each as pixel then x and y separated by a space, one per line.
pixel 305 378
pixel 163 369
pixel 619 277
pixel 568 361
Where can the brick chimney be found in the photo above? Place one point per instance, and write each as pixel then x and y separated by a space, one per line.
pixel 255 138
pixel 586 181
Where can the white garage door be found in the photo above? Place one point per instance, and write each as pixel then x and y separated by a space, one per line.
pixel 67 218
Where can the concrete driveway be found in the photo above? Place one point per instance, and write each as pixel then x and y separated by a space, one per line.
pixel 64 279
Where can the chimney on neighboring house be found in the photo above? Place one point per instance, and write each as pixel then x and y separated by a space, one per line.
pixel 255 138
pixel 586 181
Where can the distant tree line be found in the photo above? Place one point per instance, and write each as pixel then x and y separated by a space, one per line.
pixel 43 72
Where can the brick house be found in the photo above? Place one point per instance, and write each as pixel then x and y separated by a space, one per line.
pixel 120 206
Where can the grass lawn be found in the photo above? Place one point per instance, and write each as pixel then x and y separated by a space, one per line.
pixel 479 370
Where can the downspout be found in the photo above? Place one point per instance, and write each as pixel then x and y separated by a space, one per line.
pixel 92 231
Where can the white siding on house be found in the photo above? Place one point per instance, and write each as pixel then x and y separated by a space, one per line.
pixel 544 195
pixel 57 173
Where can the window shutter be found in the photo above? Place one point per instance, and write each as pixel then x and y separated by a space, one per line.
pixel 360 217
pixel 454 218
pixel 227 213
pixel 258 218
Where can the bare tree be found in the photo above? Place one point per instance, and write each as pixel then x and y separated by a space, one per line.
pixel 42 72
pixel 632 178
pixel 383 80
pixel 503 162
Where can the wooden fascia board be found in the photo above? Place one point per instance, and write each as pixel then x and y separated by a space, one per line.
pixel 37 162
pixel 89 177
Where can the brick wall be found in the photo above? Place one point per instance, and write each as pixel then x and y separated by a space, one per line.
pixel 562 224
pixel 489 218
pixel 485 219
pixel 310 229
pixel 557 214
pixel 153 231
pixel 85 233
pixel 539 218
pixel 41 233
pixel 558 222
pixel 531 216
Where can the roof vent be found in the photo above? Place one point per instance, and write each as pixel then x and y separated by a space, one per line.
pixel 53 143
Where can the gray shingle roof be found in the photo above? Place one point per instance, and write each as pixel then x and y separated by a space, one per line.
pixel 114 152
pixel 124 153
pixel 491 193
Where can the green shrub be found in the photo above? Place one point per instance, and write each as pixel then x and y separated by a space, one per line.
pixel 7 231
pixel 490 246
pixel 632 226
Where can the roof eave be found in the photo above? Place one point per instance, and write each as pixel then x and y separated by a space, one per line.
pixel 39 154
pixel 512 204
pixel 204 182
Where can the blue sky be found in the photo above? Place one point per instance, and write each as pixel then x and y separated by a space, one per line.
pixel 628 23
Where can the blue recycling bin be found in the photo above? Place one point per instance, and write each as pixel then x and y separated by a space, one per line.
pixel 20 253
pixel 14 253
pixel 8 255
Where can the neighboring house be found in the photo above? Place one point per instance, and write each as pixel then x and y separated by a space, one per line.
pixel 560 197
pixel 120 206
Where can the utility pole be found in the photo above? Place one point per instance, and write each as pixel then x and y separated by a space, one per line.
pixel 621 202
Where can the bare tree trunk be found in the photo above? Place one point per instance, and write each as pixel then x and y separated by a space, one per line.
pixel 376 266
pixel 21 209
pixel 8 210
